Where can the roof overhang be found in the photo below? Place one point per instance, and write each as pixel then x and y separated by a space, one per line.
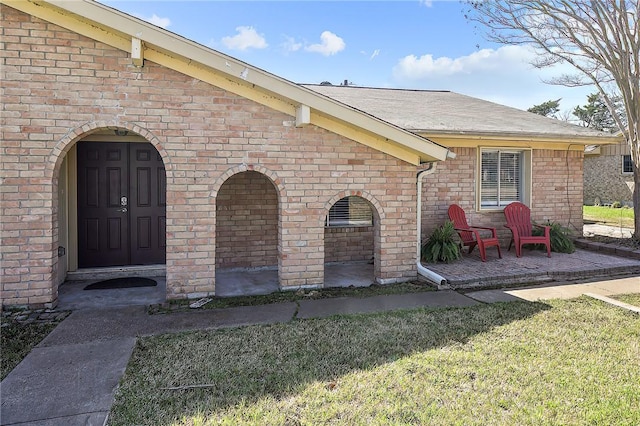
pixel 145 41
pixel 540 141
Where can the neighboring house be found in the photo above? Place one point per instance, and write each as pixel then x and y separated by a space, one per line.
pixel 608 174
pixel 125 144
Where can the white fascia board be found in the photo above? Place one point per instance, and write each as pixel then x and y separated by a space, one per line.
pixel 523 137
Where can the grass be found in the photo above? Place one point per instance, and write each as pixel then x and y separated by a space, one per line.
pixel 293 296
pixel 632 299
pixel 617 217
pixel 17 340
pixel 565 362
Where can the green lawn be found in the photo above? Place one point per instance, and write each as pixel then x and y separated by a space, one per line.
pixel 632 299
pixel 564 362
pixel 17 340
pixel 610 216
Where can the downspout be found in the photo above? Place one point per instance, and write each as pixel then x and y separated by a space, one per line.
pixel 427 273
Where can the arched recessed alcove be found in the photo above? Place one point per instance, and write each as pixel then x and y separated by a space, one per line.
pixel 246 235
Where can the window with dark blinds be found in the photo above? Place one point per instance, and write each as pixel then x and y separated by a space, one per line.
pixel 350 211
pixel 627 166
pixel 501 177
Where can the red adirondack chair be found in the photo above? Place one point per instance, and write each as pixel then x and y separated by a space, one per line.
pixel 518 218
pixel 470 235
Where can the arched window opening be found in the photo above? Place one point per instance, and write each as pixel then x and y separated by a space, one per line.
pixel 350 211
pixel 349 243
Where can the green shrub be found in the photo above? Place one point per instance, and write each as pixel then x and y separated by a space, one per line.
pixel 560 236
pixel 442 245
pixel 616 205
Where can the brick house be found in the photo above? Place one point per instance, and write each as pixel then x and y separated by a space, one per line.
pixel 539 160
pixel 124 144
pixel 608 174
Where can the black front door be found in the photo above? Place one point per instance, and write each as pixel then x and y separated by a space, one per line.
pixel 121 204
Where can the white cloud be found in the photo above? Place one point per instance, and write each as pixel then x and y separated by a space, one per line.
pixel 247 38
pixel 502 75
pixel 427 3
pixel 330 44
pixel 156 20
pixel 374 54
pixel 413 68
pixel 291 45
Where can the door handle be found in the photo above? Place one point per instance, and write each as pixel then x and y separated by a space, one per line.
pixel 123 202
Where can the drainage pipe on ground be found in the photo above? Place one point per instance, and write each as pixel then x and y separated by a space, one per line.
pixel 427 273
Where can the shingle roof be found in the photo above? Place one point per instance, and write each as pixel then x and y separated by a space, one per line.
pixel 443 112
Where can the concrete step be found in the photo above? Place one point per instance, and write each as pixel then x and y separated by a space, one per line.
pixel 86 274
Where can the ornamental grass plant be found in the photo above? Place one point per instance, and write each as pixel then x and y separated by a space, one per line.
pixel 442 245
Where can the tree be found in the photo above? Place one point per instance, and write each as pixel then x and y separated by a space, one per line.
pixel 600 39
pixel 548 109
pixel 596 115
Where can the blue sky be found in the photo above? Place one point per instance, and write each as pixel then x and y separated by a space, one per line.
pixel 398 44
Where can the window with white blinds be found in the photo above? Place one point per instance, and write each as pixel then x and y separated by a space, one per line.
pixel 350 211
pixel 501 177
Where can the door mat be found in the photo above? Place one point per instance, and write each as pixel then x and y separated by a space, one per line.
pixel 126 282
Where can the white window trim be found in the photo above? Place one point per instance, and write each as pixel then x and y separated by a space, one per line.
pixel 623 172
pixel 527 175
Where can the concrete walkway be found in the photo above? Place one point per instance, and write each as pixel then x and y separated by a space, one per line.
pixel 71 377
pixel 559 291
pixel 591 229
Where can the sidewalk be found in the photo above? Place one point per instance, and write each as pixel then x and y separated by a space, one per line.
pixel 555 291
pixel 72 375
pixel 591 229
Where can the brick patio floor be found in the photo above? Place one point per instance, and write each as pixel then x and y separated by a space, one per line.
pixel 534 266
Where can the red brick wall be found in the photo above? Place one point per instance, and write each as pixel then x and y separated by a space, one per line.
pixel 556 191
pixel 247 222
pixel 558 184
pixel 345 244
pixel 58 86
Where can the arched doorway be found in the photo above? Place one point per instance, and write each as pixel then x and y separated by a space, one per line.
pixel 246 236
pixel 351 233
pixel 111 221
